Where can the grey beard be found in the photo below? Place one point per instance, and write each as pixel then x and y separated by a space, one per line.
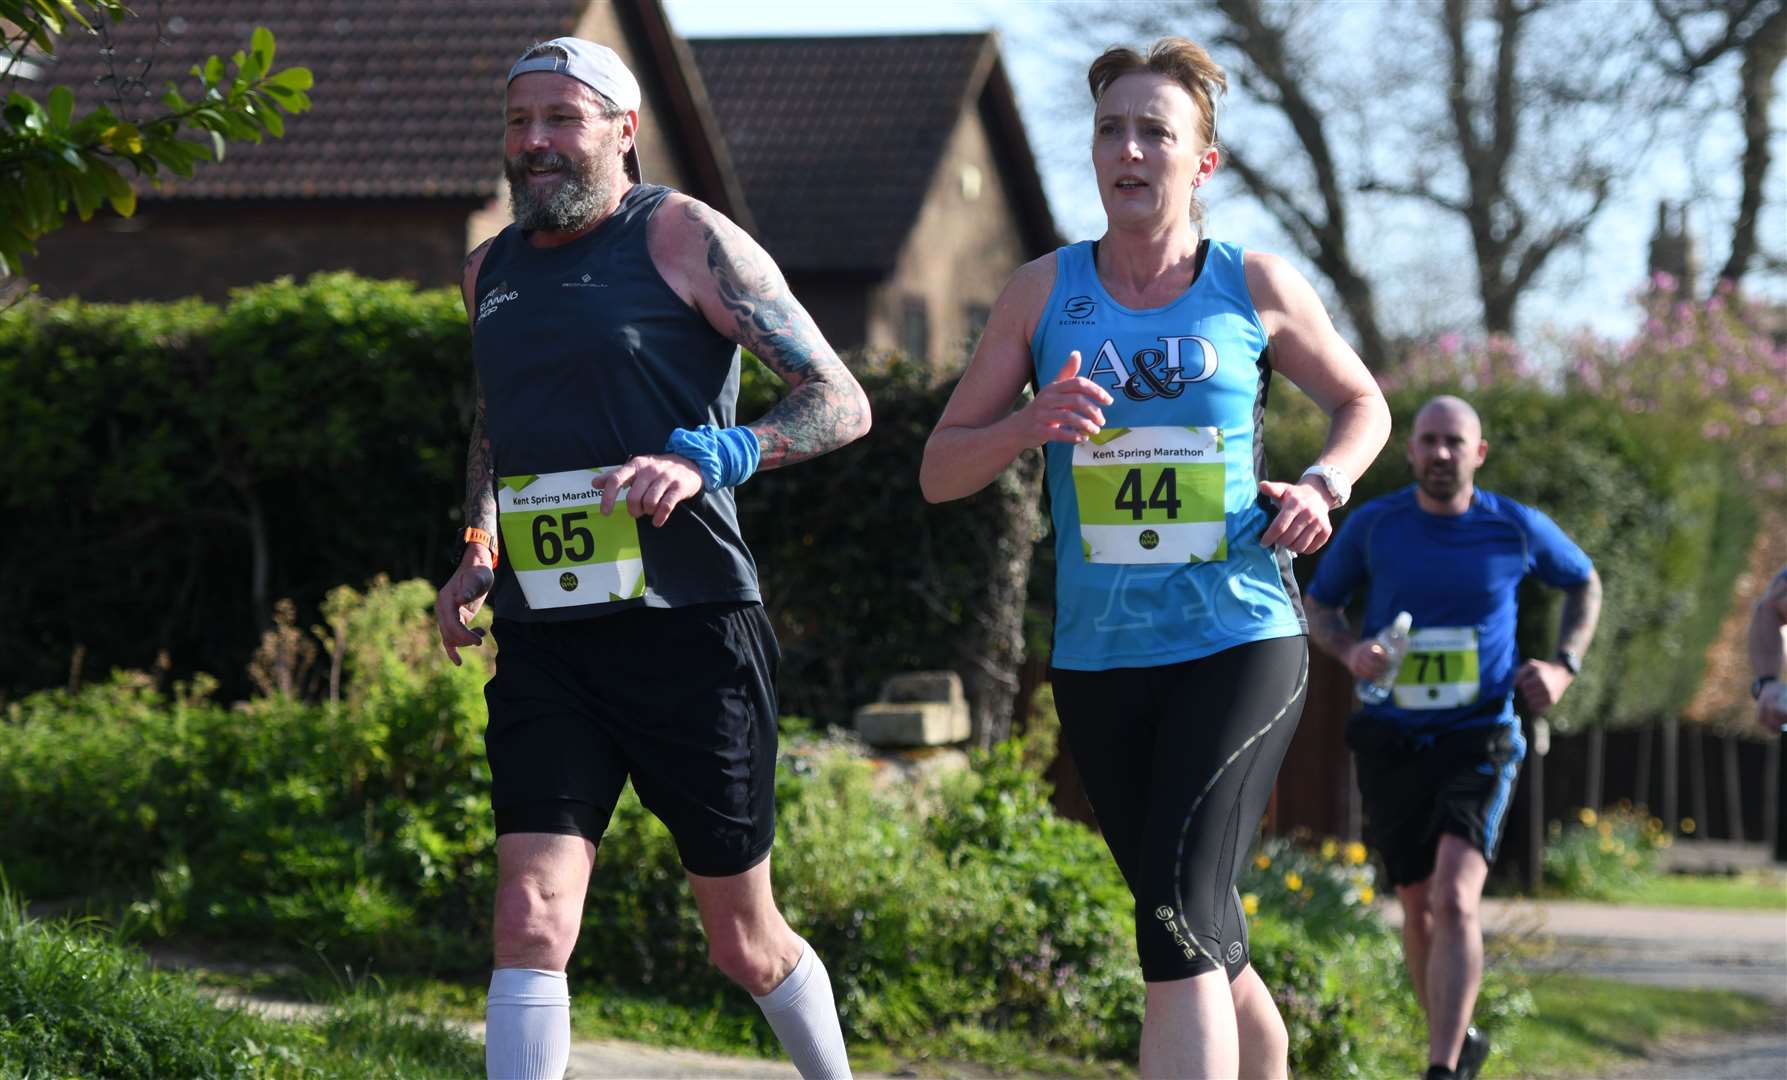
pixel 574 203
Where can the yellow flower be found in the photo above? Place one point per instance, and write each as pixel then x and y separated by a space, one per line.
pixel 1665 840
pixel 1367 895
pixel 1309 892
pixel 1606 829
pixel 1250 904
pixel 1688 825
pixel 1293 881
pixel 1330 848
pixel 1656 824
pixel 1355 853
pixel 1262 861
pixel 1586 816
pixel 1607 847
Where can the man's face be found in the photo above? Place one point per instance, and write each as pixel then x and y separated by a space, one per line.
pixel 1445 450
pixel 561 152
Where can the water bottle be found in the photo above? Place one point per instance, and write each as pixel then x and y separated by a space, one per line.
pixel 1394 639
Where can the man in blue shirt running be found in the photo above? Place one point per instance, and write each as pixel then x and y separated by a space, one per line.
pixel 1437 760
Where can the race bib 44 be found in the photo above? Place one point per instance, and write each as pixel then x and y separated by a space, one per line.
pixel 1151 495
pixel 564 552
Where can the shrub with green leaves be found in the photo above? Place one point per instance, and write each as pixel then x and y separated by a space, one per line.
pixel 361 825
pixel 1603 855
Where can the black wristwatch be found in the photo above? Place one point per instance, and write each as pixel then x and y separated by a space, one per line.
pixel 1572 663
pixel 1760 684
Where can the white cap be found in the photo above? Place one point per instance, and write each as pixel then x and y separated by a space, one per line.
pixel 595 66
pixel 1402 622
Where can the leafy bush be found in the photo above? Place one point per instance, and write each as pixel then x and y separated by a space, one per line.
pixel 362 825
pixel 1328 889
pixel 1602 856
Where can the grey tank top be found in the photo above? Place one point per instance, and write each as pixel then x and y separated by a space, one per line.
pixel 587 358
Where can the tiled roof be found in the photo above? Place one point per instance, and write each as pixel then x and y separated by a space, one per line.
pixel 405 102
pixel 836 139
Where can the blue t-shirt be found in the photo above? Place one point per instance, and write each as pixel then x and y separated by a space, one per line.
pixel 1457 576
pixel 1158 519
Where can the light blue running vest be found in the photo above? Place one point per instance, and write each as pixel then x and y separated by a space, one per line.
pixel 1152 579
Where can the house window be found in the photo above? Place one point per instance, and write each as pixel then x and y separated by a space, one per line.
pixel 976 319
pixel 915 329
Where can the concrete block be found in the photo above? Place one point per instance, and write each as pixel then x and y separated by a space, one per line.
pixel 915 723
pixel 940 686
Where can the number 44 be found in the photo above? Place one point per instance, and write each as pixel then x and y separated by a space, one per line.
pixel 1165 495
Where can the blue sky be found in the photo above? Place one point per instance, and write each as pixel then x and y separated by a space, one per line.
pixel 1588 288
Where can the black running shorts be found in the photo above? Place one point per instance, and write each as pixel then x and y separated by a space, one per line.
pixel 682 700
pixel 1415 787
pixel 1178 762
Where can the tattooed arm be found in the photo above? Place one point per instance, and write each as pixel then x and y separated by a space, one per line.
pixel 725 275
pixel 463 595
pixel 1330 631
pixel 1541 683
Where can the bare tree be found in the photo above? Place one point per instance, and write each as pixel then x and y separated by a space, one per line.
pixel 1695 35
pixel 1315 216
pixel 1512 120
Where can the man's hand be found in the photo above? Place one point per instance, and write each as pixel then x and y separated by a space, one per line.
pixel 1771 707
pixel 656 483
pixel 1367 660
pixel 461 598
pixel 1541 684
pixel 1302 522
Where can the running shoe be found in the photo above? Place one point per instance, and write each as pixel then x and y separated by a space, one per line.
pixel 1471 1054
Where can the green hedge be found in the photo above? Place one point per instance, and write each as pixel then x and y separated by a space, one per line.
pixel 1661 511
pixel 177 467
pixel 183 466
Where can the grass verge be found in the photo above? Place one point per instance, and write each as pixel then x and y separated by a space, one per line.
pixel 1583 1026
pixel 76 1001
pixel 1761 890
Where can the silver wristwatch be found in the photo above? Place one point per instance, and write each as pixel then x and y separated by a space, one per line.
pixel 1340 489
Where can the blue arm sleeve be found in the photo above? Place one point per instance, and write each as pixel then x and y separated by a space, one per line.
pixel 726 457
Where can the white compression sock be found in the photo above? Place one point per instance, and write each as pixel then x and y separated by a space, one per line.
pixel 803 1015
pixel 527 1025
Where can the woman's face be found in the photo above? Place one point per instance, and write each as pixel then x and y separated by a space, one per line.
pixel 1148 150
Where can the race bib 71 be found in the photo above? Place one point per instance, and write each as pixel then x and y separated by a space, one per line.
pixel 1440 669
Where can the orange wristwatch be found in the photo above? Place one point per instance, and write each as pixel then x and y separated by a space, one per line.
pixel 475 535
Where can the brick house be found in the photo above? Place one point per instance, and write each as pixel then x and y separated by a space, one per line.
pixel 397 168
pixel 890 177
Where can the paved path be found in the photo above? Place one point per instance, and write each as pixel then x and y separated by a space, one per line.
pixel 1699 948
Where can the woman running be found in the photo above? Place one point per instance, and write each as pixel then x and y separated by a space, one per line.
pixel 1180 655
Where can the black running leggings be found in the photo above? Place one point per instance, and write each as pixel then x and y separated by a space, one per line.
pixel 1179 763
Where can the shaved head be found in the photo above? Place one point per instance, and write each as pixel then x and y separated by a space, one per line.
pixel 1445 450
pixel 1452 408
